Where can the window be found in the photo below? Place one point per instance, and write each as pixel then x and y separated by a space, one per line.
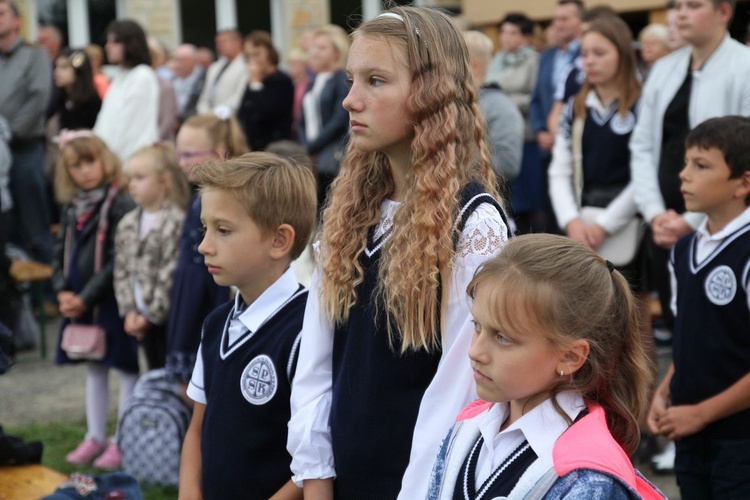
pixel 54 12
pixel 101 13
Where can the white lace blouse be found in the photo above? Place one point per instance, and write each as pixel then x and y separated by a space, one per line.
pixel 451 389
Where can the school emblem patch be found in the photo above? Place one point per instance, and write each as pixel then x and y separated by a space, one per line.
pixel 622 126
pixel 259 381
pixel 721 285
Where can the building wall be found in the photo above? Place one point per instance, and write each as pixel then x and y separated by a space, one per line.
pixel 485 12
pixel 160 18
pixel 304 15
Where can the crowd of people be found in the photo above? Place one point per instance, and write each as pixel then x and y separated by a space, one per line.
pixel 487 223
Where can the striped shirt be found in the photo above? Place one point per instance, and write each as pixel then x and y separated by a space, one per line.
pixel 25 88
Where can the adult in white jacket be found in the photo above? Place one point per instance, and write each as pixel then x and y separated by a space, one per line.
pixel 226 79
pixel 710 76
pixel 128 118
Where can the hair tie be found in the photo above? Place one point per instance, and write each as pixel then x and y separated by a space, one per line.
pixel 66 136
pixel 223 112
pixel 609 265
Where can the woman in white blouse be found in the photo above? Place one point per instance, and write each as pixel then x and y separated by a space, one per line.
pixel 128 118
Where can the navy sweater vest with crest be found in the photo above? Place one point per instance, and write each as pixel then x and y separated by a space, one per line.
pixel 248 387
pixel 711 347
pixel 604 146
pixel 377 391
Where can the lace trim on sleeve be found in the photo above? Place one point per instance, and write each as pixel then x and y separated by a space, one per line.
pixel 484 234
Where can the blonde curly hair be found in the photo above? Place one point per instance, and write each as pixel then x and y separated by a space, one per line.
pixel 449 149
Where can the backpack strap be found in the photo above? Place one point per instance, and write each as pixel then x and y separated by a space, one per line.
pixel 542 486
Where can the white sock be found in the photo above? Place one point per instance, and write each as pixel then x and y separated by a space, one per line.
pixel 97 402
pixel 127 382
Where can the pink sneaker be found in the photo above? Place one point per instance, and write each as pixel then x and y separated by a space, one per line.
pixel 110 459
pixel 85 452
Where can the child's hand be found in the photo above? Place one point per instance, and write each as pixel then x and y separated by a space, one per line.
pixel 135 325
pixel 595 235
pixel 658 409
pixel 680 421
pixel 71 305
pixel 576 230
pixel 63 298
pixel 668 228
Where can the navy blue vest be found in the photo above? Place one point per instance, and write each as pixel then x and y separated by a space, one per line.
pixel 500 482
pixel 248 386
pixel 711 346
pixel 604 146
pixel 573 83
pixel 376 391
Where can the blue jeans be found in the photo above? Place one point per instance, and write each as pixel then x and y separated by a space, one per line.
pixel 709 469
pixel 30 227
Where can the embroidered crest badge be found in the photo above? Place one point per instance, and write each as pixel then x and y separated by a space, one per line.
pixel 259 381
pixel 721 285
pixel 622 126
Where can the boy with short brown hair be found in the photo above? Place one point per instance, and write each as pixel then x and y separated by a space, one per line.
pixel 258 212
pixel 704 400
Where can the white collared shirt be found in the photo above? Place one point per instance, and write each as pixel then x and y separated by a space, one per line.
pixel 705 244
pixel 311 107
pixel 541 427
pixel 251 318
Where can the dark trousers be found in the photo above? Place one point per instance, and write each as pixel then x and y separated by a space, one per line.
pixel 659 272
pixel 6 312
pixel 31 225
pixel 713 469
pixel 155 346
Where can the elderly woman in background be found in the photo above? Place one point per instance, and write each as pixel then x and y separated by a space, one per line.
pixel 654 44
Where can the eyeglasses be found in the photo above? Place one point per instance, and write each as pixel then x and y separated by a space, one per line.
pixel 191 155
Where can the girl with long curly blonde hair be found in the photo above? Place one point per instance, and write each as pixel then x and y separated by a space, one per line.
pixel 413 213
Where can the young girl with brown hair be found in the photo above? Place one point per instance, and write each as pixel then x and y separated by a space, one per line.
pixel 412 214
pixel 562 375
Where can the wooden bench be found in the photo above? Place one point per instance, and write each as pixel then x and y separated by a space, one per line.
pixel 28 482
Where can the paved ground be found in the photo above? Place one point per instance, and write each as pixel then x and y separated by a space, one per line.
pixel 36 390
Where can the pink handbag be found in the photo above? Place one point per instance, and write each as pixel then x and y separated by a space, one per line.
pixel 84 341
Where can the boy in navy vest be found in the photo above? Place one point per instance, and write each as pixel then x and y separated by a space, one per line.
pixel 704 401
pixel 258 213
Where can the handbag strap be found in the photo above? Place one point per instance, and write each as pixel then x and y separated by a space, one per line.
pixel 100 238
pixel 101 232
pixel 576 140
